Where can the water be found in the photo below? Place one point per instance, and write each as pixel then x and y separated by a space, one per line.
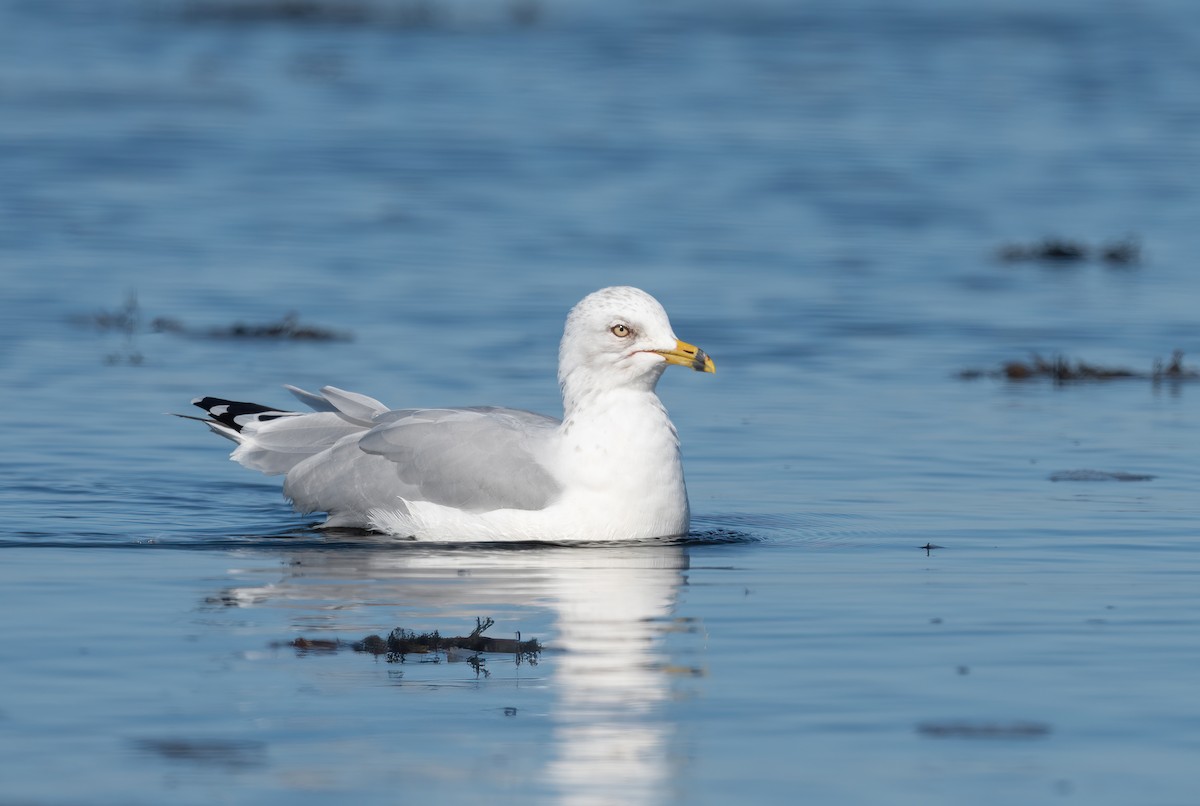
pixel 817 193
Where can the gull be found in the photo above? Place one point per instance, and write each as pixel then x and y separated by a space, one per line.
pixel 610 469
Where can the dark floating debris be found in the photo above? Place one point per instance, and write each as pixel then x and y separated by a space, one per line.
pixel 1051 249
pixel 1061 250
pixel 1061 370
pixel 379 13
pixel 305 645
pixel 984 730
pixel 1099 475
pixel 1173 370
pixel 288 329
pixel 1128 251
pixel 929 548
pixel 400 643
pixel 127 320
pixel 228 753
pixel 341 12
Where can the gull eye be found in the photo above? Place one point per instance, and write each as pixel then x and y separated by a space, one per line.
pixel 620 331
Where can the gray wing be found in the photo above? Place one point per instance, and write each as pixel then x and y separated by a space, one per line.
pixel 475 459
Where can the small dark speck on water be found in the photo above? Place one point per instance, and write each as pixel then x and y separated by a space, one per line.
pixel 929 549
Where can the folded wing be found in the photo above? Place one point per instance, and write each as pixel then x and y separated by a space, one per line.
pixel 473 459
pixel 352 456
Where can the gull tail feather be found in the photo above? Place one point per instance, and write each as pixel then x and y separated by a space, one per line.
pixel 270 440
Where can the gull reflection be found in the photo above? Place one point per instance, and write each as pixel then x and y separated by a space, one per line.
pixel 610 607
pixel 611 613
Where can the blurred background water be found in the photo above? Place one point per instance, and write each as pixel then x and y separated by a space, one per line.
pixel 847 204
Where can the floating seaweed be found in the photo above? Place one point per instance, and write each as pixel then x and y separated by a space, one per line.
pixel 984 730
pixel 125 320
pixel 1061 370
pixel 400 643
pixel 128 318
pixel 1127 251
pixel 287 329
pixel 1099 475
pixel 1174 370
pixel 227 753
pixel 1051 249
pixel 306 645
pixel 377 13
pixel 341 12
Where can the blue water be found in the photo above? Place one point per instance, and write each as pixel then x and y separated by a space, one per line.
pixel 817 193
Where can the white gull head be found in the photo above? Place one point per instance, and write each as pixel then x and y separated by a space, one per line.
pixel 619 338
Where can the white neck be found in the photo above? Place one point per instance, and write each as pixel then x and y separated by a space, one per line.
pixel 620 447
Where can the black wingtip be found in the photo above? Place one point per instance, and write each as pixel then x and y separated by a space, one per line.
pixel 236 414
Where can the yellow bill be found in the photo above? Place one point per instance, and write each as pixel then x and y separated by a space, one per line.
pixel 688 355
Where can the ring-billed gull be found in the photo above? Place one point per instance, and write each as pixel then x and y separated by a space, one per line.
pixel 609 470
